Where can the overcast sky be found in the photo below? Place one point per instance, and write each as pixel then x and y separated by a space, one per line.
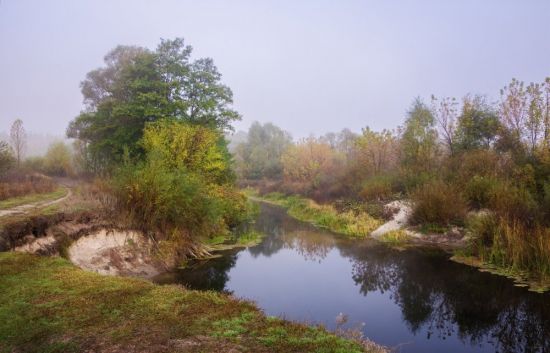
pixel 308 66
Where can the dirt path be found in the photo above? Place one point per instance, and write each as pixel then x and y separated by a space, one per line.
pixel 21 209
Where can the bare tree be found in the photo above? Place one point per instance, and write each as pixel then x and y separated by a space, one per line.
pixel 446 113
pixel 18 140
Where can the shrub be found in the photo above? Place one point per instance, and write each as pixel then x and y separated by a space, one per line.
pixel 438 203
pixel 182 191
pixel 58 160
pixel 478 190
pixel 513 203
pixel 7 160
pixel 377 188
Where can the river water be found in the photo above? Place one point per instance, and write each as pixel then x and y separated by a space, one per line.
pixel 416 300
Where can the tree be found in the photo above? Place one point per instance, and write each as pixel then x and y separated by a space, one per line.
pixel 513 107
pixel 6 158
pixel 534 124
pixel 377 151
pixel 308 162
pixel 193 148
pixel 18 140
pixel 138 86
pixel 445 113
pixel 477 126
pixel 419 138
pixel 58 160
pixel 260 155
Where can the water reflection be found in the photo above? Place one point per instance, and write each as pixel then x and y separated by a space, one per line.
pixel 444 306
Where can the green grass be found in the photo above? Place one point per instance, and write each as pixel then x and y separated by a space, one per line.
pixel 396 238
pixel 33 198
pixel 49 305
pixel 351 223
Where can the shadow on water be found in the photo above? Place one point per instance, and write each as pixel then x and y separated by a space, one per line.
pixel 416 296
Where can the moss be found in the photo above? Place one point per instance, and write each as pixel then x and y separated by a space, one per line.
pixel 48 305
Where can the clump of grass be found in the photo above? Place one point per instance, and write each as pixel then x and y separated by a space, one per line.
pixel 48 305
pixel 351 223
pixel 395 237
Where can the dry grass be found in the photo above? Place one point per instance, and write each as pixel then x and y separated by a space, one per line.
pixel 32 184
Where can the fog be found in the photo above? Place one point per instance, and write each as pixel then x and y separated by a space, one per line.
pixel 308 66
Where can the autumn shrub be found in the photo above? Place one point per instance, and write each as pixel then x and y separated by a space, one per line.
pixel 438 203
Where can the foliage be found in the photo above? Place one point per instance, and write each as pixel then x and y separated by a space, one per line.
pixel 182 191
pixel 260 155
pixel 380 187
pixel 438 203
pixel 6 158
pixel 478 125
pixel 310 164
pixel 193 148
pixel 377 152
pixel 138 86
pixel 58 160
pixel 419 139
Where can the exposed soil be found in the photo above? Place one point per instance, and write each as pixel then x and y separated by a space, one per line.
pixel 115 252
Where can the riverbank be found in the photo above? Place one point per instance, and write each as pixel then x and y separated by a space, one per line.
pixel 396 233
pixel 49 305
pixel 351 223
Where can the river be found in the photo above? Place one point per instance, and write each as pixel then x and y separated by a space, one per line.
pixel 416 300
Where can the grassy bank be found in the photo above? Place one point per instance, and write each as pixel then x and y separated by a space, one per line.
pixel 351 223
pixel 33 198
pixel 48 305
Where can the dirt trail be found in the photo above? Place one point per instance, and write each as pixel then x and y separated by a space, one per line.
pixel 21 209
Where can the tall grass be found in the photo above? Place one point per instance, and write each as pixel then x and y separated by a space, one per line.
pixel 511 244
pixel 25 185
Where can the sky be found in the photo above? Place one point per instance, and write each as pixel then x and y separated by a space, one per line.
pixel 308 66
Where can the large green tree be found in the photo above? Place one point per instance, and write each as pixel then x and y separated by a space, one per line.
pixel 138 86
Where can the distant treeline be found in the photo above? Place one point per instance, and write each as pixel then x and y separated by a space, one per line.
pixel 450 157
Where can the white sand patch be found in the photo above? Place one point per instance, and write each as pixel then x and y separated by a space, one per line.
pixel 399 220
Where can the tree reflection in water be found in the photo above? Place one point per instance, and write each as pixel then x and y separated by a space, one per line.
pixel 435 295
